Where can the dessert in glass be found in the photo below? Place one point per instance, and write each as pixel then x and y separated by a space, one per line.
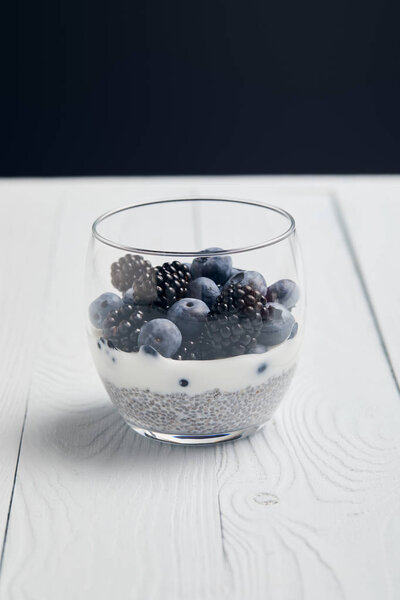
pixel 195 314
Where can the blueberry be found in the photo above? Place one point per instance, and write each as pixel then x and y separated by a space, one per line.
pixel 217 268
pixel 149 350
pixel 294 331
pixel 99 345
pixel 284 291
pixel 278 326
pixel 128 296
pixel 204 289
pixel 183 382
pixel 189 314
pixel 252 278
pixel 99 308
pixel 162 335
pixel 262 368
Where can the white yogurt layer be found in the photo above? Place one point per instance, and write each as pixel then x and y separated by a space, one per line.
pixel 162 375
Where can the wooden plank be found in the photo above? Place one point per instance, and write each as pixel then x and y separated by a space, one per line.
pixel 332 459
pixel 300 510
pixel 26 235
pixel 87 483
pixel 371 212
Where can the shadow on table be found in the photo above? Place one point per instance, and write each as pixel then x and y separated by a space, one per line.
pixel 100 435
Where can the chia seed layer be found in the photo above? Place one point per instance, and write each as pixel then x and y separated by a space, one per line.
pixel 211 412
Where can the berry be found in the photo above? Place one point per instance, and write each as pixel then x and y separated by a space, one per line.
pixel 129 269
pixel 252 278
pixel 172 280
pixel 262 368
pixel 230 335
pixel 197 349
pixel 149 350
pixel 183 382
pixel 241 299
pixel 217 268
pixel 284 291
pixel 121 327
pixel 189 314
pixel 235 321
pixel 277 326
pixel 128 296
pixel 187 351
pixel 163 286
pixel 204 289
pixel 162 335
pixel 99 308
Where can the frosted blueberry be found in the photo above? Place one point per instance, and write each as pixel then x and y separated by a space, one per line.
pixel 284 291
pixel 252 278
pixel 162 335
pixel 204 289
pixel 99 308
pixel 217 268
pixel 278 326
pixel 189 315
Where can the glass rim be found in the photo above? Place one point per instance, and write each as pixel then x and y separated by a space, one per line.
pixel 269 242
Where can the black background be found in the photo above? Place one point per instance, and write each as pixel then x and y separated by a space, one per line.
pixel 191 87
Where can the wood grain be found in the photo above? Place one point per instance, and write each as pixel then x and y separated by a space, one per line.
pixel 373 216
pixel 307 508
pixel 26 234
pixel 340 427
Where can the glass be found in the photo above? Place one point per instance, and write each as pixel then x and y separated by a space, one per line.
pixel 195 344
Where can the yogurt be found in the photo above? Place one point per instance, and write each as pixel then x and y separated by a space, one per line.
pixel 195 397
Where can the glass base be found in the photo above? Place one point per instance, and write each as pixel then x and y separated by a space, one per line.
pixel 196 440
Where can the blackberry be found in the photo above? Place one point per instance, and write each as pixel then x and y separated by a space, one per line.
pixel 242 300
pixel 235 321
pixel 231 335
pixel 128 270
pixel 171 282
pixel 187 351
pixel 121 327
pixel 161 286
pixel 206 350
pixel 198 349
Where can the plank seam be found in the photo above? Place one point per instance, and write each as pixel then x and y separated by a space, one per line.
pixel 51 262
pixel 357 267
pixel 13 488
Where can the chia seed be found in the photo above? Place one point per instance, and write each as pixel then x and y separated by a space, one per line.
pixel 211 412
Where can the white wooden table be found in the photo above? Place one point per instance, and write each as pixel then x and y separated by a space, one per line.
pixel 308 508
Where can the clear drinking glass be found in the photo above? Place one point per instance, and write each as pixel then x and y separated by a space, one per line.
pixel 195 344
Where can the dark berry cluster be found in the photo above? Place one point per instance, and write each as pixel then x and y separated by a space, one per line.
pixel 202 311
pixel 160 286
pixel 129 269
pixel 122 327
pixel 242 300
pixel 236 319
pixel 171 282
